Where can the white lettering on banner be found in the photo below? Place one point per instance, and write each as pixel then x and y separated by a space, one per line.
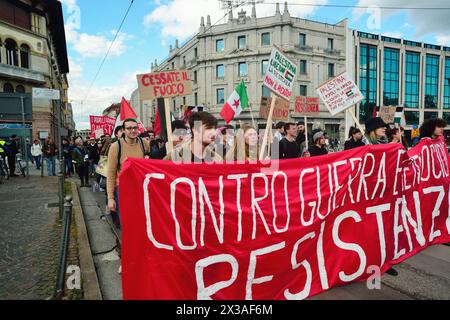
pixel 303 294
pixel 150 235
pixel 378 210
pixel 349 246
pixel 362 179
pixel 238 178
pixel 288 214
pixel 337 186
pixel 427 165
pixel 194 212
pixel 203 196
pixel 252 267
pixel 351 178
pixel 417 225
pixel 436 212
pixel 398 228
pixel 330 184
pixel 206 293
pixel 255 205
pixel 381 177
pixel 302 199
pixel 397 170
pixel 321 259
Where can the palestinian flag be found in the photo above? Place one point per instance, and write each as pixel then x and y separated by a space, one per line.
pixel 237 102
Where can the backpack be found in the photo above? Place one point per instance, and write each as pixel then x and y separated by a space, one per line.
pixel 119 155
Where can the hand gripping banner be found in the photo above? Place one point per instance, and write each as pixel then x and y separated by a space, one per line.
pixel 281 230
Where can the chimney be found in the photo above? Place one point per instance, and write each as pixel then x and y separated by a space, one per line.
pixel 254 11
pixel 230 16
pixel 286 14
pixel 208 20
pixel 277 10
pixel 176 44
pixel 202 25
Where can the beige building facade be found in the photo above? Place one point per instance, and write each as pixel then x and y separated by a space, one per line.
pixel 33 53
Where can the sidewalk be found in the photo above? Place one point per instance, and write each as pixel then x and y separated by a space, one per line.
pixel 29 237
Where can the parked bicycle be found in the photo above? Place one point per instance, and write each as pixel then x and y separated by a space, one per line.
pixel 20 167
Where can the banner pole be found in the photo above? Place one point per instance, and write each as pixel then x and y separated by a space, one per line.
pixel 253 119
pixel 268 125
pixel 350 111
pixel 168 125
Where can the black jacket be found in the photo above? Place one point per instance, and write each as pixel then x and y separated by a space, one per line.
pixel 315 151
pixel 351 144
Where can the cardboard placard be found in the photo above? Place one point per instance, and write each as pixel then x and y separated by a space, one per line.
pixel 165 84
pixel 280 112
pixel 280 74
pixel 306 106
pixel 387 114
pixel 340 93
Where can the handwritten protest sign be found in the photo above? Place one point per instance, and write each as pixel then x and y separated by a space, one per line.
pixel 305 106
pixel 339 93
pixel 101 125
pixel 285 230
pixel 280 112
pixel 165 84
pixel 387 114
pixel 280 74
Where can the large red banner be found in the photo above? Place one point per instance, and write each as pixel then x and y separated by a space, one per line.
pixel 281 230
pixel 101 125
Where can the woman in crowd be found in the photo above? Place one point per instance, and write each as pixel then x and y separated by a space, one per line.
pixel 245 145
pixel 432 128
pixel 355 139
pixel 36 152
pixel 396 135
pixel 376 131
pixel 80 156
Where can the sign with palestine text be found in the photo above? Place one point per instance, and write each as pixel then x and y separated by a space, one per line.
pixel 340 93
pixel 280 74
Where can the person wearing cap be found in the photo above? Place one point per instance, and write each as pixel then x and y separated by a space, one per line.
pixel 355 139
pixel 376 131
pixel 318 149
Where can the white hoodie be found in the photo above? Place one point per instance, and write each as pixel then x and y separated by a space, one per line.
pixel 36 150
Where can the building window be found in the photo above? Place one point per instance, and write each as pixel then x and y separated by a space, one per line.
pixel 330 70
pixel 195 76
pixel 220 45
pixel 25 56
pixel 8 88
pixel 447 84
pixel 330 44
pixel 412 76
pixel 184 61
pixel 242 42
pixel 431 81
pixel 242 69
pixel 368 80
pixel 302 39
pixel 11 52
pixel 265 39
pixel 391 77
pixel 195 98
pixel 302 66
pixel 265 92
pixel 173 65
pixel 220 96
pixel 412 117
pixel 20 89
pixel 195 52
pixel 184 101
pixel 303 90
pixel 220 71
pixel 264 65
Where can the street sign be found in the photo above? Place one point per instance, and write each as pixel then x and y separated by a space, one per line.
pixel 43 93
pixel 280 74
pixel 339 93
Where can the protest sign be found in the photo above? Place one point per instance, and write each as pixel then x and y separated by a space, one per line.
pixel 387 114
pixel 306 106
pixel 339 93
pixel 280 74
pixel 280 111
pixel 165 84
pixel 256 231
pixel 101 125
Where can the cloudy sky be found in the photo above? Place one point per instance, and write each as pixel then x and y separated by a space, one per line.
pixel 153 25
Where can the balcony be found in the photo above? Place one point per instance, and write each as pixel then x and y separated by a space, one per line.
pixel 333 52
pixel 302 47
pixel 21 74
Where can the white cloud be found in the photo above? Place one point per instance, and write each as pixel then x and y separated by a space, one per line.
pixel 425 21
pixel 181 18
pixel 443 40
pixel 100 97
pixel 393 34
pixel 93 46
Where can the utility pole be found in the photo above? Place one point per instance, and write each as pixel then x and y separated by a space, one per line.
pixel 24 138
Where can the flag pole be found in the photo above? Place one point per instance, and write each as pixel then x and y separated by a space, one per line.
pixel 168 125
pixel 253 119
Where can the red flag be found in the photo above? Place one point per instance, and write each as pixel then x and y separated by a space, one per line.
pixel 126 111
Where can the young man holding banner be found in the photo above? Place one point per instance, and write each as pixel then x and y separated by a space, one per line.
pixel 130 146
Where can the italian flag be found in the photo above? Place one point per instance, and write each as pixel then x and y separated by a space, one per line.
pixel 237 102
